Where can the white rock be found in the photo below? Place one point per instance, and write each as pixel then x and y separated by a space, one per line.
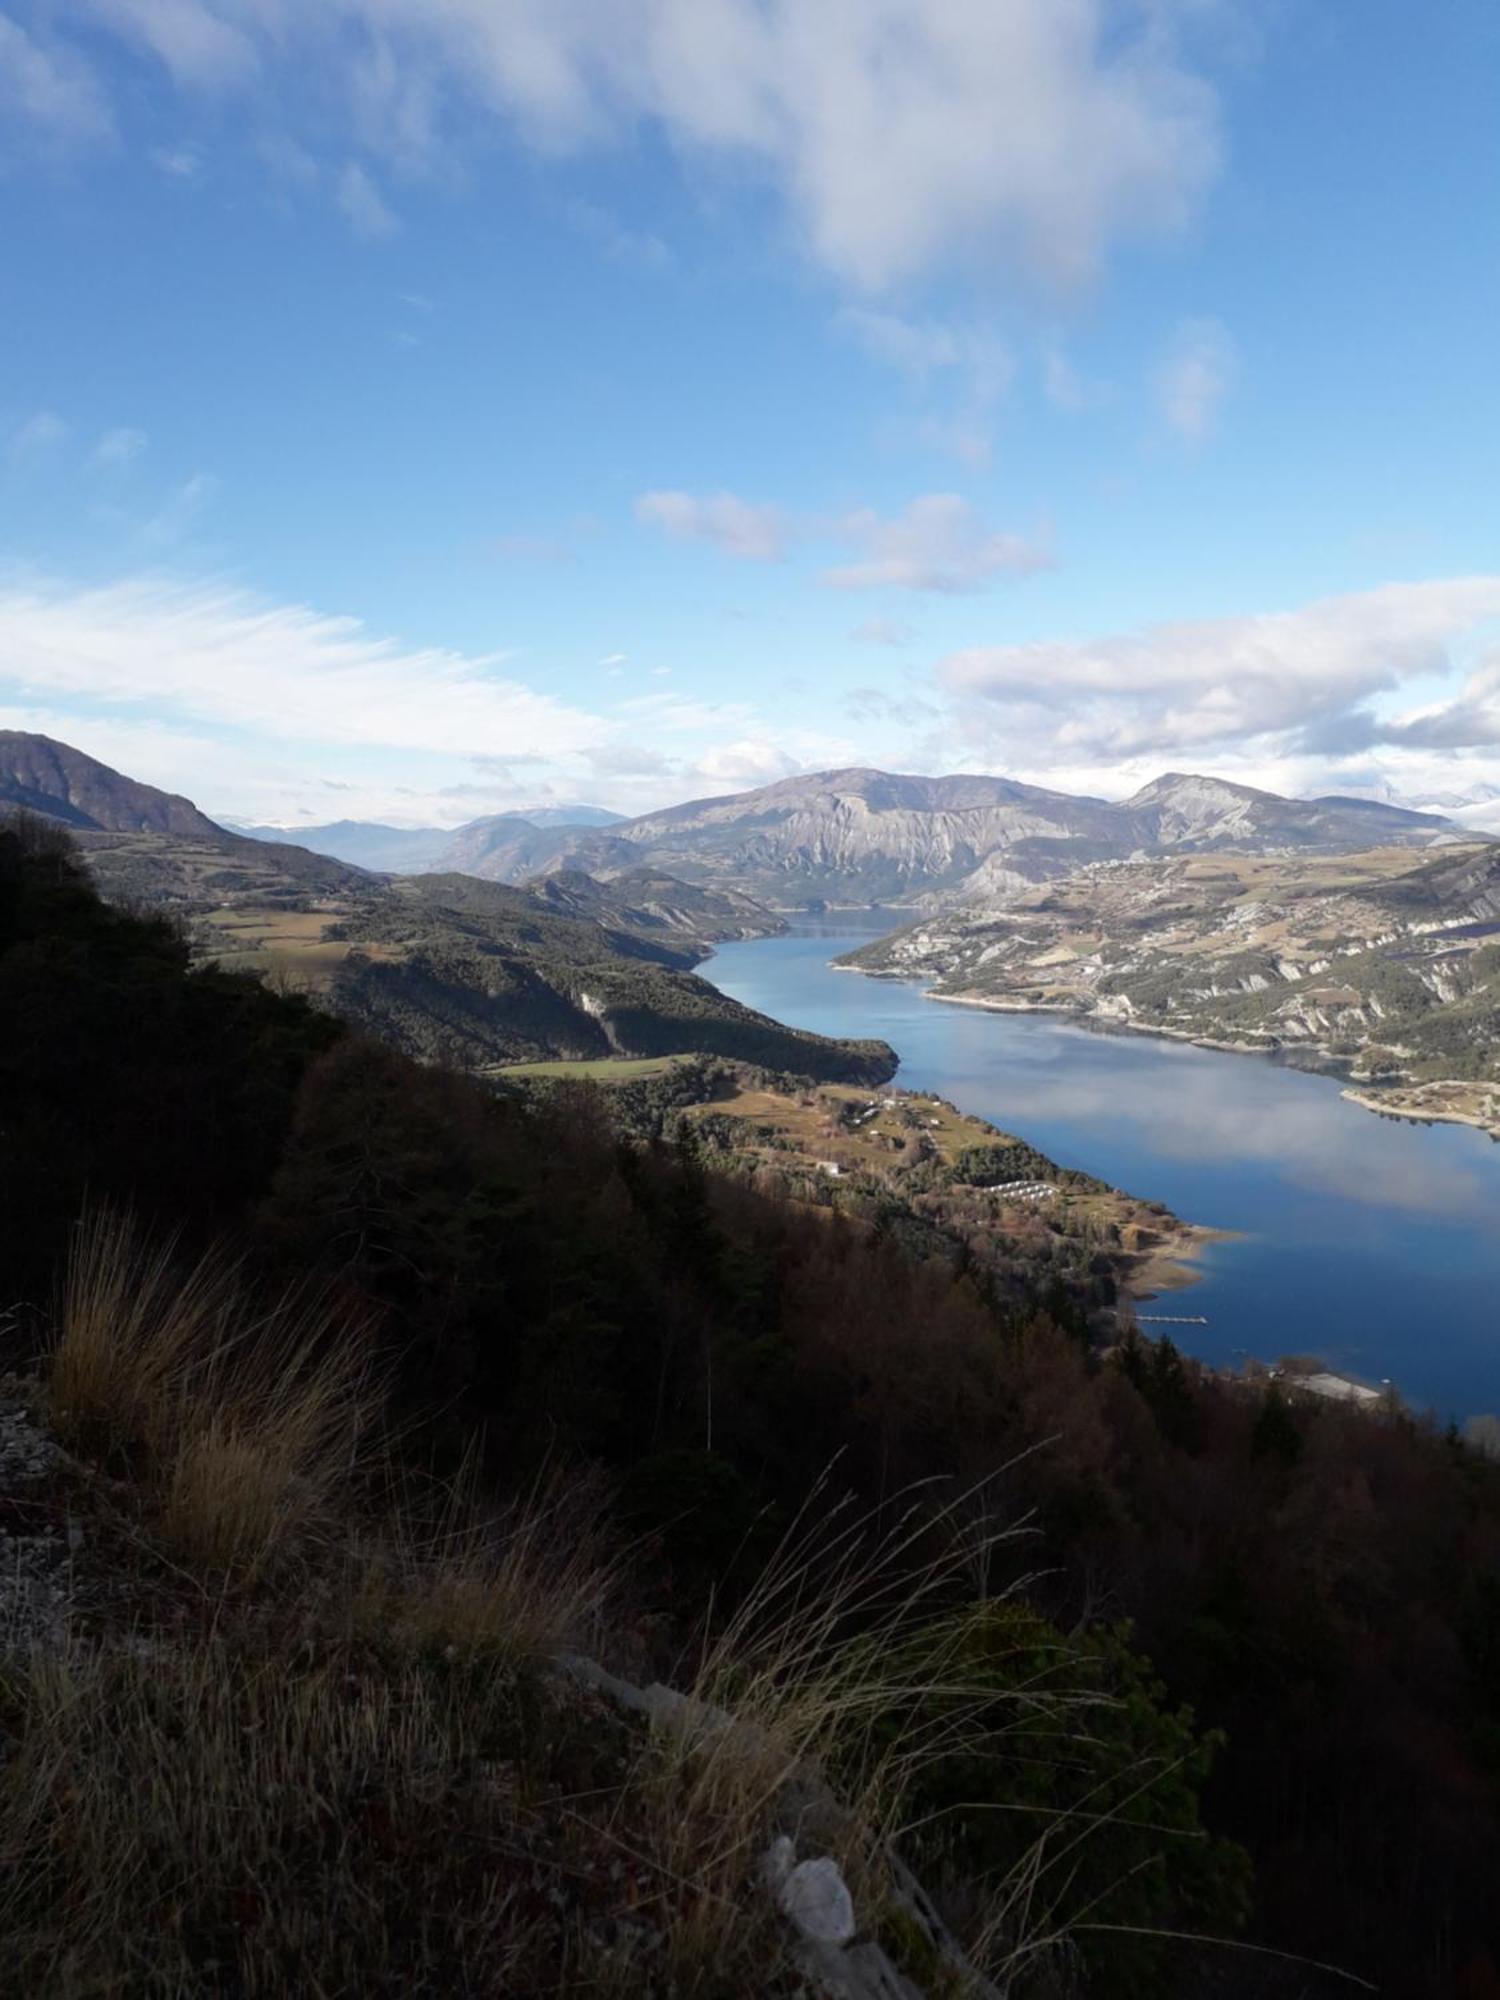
pixel 816 1898
pixel 778 1862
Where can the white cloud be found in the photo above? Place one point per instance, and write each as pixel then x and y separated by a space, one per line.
pixel 1194 379
pixel 745 763
pixel 211 655
pixel 36 437
pixel 922 348
pixel 278 713
pixel 49 89
pixel 1470 720
pixel 119 447
pixel 665 712
pixel 621 244
pixel 966 370
pixel 361 204
pixel 179 511
pixel 939 543
pixel 287 162
pixel 200 43
pixel 722 519
pixel 525 548
pixel 901 134
pixel 1270 686
pixel 1065 388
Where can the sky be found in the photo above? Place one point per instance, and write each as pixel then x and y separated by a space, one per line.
pixel 416 409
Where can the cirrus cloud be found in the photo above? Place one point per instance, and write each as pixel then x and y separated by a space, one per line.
pixel 215 655
pixel 261 711
pixel 938 543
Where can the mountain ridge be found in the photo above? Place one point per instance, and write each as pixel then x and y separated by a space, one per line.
pixel 39 774
pixel 451 967
pixel 861 836
pixel 864 836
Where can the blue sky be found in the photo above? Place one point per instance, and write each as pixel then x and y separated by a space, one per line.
pixel 418 408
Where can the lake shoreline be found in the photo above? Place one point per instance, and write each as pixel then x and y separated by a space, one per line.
pixel 1345 1236
pixel 1175 1264
pixel 1311 1060
pixel 1405 1104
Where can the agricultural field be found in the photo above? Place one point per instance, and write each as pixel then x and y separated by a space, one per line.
pixel 600 1069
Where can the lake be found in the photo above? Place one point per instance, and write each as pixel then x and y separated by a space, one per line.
pixel 1372 1243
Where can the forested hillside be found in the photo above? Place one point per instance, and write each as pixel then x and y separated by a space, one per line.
pixel 1320 1588
pixel 445 966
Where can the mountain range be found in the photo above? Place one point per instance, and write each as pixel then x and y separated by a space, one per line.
pixel 418 850
pixel 868 838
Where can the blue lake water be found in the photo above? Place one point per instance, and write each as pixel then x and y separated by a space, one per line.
pixel 1372 1243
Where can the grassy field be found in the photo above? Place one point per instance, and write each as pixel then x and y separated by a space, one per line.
pixel 289 944
pixel 809 1120
pixel 600 1069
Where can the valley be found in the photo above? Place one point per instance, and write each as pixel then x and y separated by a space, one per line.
pixel 1371 1244
pixel 1195 909
pixel 476 974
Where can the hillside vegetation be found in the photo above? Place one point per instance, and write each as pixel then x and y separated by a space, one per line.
pixel 1260 1623
pixel 949 1187
pixel 472 972
pixel 443 966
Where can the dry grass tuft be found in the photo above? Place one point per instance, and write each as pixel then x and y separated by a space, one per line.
pixel 130 1329
pixel 343 1781
pixel 509 1585
pixel 268 1441
pixel 201 1822
pixel 245 1424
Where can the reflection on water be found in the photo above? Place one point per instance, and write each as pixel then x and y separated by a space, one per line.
pixel 1373 1243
